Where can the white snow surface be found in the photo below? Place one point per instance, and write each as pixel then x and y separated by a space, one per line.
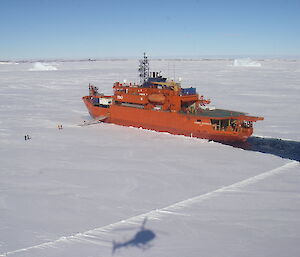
pixel 73 192
pixel 8 63
pixel 246 62
pixel 38 66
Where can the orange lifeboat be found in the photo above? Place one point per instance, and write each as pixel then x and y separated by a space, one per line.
pixel 157 98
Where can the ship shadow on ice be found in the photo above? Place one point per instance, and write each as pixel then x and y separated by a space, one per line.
pixel 282 148
pixel 141 239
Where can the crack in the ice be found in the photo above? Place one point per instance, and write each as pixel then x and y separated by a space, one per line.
pixel 92 236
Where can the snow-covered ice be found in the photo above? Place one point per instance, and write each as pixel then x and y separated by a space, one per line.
pixel 246 62
pixel 38 66
pixel 73 192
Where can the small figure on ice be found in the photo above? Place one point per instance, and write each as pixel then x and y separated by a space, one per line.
pixel 60 126
pixel 27 137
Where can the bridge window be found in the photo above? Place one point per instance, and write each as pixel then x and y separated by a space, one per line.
pixel 247 124
pixel 220 124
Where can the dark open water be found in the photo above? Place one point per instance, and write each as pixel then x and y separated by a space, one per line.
pixel 279 147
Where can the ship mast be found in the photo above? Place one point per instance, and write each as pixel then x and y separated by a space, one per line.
pixel 144 69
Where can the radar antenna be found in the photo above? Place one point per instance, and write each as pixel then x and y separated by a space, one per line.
pixel 144 69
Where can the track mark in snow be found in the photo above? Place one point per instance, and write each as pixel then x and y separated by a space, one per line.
pixel 97 235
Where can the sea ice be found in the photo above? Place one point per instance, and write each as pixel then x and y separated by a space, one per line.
pixel 38 66
pixel 246 62
pixel 74 191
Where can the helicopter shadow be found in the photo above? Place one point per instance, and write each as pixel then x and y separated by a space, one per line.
pixel 141 239
pixel 282 148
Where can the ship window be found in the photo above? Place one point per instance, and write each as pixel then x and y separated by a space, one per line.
pixel 215 124
pixel 220 124
pixel 103 105
pixel 247 124
pixel 199 121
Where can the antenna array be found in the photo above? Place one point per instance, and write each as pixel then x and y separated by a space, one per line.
pixel 144 69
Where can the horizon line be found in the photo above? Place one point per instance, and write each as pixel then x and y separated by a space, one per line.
pixel 175 57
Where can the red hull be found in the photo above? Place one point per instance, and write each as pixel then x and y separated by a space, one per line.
pixel 163 121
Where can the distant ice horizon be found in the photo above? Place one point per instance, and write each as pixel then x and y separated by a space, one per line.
pixel 154 57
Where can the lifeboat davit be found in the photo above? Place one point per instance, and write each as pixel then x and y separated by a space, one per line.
pixel 157 98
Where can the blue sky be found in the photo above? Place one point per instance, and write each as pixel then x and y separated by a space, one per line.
pixel 115 28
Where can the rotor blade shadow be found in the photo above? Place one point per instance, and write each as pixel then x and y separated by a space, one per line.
pixel 141 239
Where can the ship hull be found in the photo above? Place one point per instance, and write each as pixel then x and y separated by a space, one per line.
pixel 171 122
